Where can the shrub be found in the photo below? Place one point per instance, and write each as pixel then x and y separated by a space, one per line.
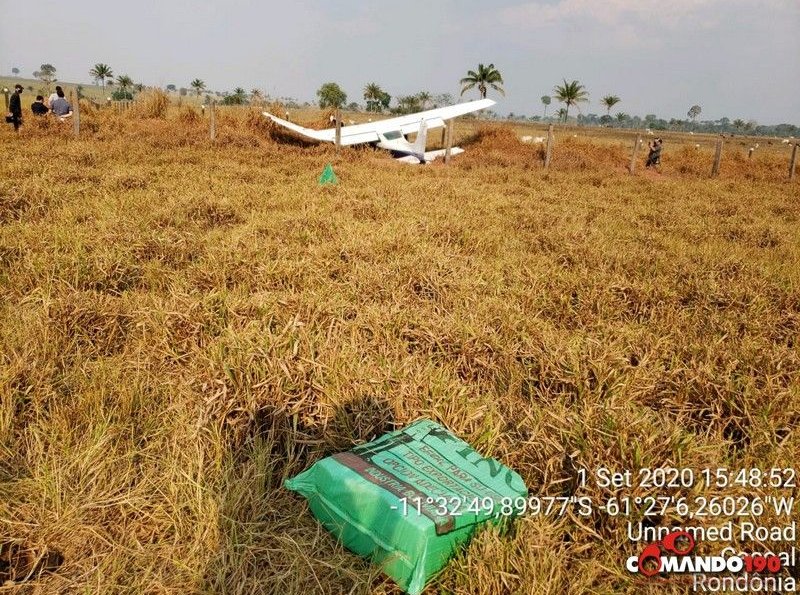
pixel 151 104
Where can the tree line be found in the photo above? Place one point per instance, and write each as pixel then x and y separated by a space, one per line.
pixel 484 78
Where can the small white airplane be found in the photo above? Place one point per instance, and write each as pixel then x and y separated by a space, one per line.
pixel 391 134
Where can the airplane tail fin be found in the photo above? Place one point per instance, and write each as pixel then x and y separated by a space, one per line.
pixel 422 140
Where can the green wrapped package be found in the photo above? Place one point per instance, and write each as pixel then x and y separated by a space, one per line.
pixel 409 499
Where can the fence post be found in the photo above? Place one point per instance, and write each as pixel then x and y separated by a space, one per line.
pixel 448 150
pixel 632 167
pixel 212 119
pixel 717 159
pixel 444 134
pixel 793 162
pixel 750 153
pixel 76 115
pixel 338 117
pixel 5 95
pixel 548 152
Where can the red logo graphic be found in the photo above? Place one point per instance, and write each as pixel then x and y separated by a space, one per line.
pixel 680 543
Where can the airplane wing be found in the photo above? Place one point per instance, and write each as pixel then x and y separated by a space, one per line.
pixel 371 131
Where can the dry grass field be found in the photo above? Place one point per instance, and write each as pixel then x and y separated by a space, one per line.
pixel 184 324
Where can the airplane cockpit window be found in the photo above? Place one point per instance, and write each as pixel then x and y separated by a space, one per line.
pixel 393 135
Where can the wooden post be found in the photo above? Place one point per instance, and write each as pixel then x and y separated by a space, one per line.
pixel 448 149
pixel 750 153
pixel 212 119
pixel 548 152
pixel 76 115
pixel 793 163
pixel 5 95
pixel 444 134
pixel 717 159
pixel 338 117
pixel 632 167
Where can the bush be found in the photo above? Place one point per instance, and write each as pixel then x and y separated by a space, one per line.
pixel 188 115
pixel 151 104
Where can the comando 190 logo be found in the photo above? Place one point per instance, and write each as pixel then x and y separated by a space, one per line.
pixel 671 555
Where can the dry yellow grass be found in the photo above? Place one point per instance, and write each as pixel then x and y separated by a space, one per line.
pixel 183 325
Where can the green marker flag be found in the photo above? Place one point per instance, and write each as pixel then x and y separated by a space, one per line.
pixel 411 499
pixel 328 177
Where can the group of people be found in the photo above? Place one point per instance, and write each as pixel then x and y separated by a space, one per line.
pixel 57 104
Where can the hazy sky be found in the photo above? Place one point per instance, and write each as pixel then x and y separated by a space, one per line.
pixel 735 58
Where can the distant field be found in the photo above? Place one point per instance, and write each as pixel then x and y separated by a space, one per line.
pixel 184 324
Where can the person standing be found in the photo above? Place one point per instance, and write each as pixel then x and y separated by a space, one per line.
pixel 654 157
pixel 15 108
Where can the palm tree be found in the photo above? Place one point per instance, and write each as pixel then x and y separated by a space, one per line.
pixel 622 117
pixel 124 82
pixel 372 92
pixel 408 104
pixel 570 94
pixel 546 99
pixel 372 95
pixel 377 99
pixel 198 85
pixel 485 77
pixel 738 123
pixel 610 101
pixel 101 72
pixel 562 114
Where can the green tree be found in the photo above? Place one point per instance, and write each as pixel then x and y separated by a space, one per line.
pixel 610 101
pixel 546 100
pixel 198 85
pixel 124 84
pixel 562 114
pixel 256 96
pixel 424 98
pixel 15 71
pixel 484 78
pixel 101 72
pixel 570 94
pixel 172 88
pixel 331 95
pixel 377 99
pixel 694 111
pixel 46 74
pixel 738 124
pixel 407 104
pixel 238 97
pixel 622 117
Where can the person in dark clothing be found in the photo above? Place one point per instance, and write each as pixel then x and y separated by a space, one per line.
pixel 654 157
pixel 38 107
pixel 15 108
